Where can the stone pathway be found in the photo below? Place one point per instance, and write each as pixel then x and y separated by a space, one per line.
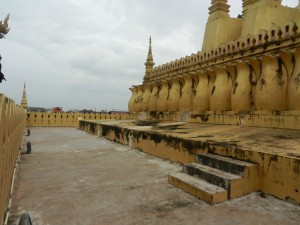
pixel 73 177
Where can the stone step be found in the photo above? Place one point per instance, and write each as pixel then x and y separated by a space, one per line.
pixel 199 188
pixel 226 164
pixel 228 181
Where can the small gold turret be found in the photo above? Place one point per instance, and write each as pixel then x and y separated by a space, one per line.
pixel 218 9
pixel 24 104
pixel 149 63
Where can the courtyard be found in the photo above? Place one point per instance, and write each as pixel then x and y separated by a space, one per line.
pixel 73 177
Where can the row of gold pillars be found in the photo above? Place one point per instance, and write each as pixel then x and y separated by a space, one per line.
pixel 269 82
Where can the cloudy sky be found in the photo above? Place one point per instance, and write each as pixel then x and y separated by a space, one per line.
pixel 86 53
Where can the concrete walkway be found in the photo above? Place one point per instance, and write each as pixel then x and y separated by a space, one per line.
pixel 73 177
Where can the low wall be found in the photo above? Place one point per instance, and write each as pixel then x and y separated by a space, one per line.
pixel 12 126
pixel 272 119
pixel 39 119
pixel 268 119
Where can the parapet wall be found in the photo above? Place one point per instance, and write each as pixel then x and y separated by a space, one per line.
pixel 270 119
pixel 39 119
pixel 12 126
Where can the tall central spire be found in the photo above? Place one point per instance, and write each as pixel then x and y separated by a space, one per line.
pixel 218 9
pixel 149 63
pixel 24 104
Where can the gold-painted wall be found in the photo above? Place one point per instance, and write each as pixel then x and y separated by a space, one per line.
pixel 39 119
pixel 261 15
pixel 12 126
pixel 278 175
pixel 215 34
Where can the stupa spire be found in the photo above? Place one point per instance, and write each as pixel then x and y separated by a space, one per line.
pixel 218 9
pixel 150 56
pixel 149 63
pixel 24 104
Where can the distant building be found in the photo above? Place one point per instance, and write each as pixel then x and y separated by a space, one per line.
pixel 87 111
pixel 117 111
pixel 36 109
pixel 57 110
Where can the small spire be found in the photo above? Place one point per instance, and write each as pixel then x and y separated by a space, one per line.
pixel 150 56
pixel 24 104
pixel 149 63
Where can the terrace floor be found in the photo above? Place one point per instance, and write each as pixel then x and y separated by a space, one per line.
pixel 282 142
pixel 72 177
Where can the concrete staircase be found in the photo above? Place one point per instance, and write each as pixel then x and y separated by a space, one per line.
pixel 214 178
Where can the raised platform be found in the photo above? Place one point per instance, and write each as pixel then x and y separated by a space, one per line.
pixel 269 119
pixel 276 151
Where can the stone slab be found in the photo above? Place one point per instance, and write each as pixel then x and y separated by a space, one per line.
pixel 203 190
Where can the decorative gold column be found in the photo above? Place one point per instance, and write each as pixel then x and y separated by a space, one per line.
pixel 138 99
pixel 293 93
pixel 201 98
pixel 241 95
pixel 152 103
pixel 145 97
pixel 132 98
pixel 271 86
pixel 220 99
pixel 174 95
pixel 186 100
pixel 163 97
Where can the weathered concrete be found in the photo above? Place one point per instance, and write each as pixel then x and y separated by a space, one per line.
pixel 73 177
pixel 276 151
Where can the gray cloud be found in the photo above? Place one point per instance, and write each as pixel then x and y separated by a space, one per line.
pixel 86 54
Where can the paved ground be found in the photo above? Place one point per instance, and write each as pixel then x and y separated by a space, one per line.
pixel 73 177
